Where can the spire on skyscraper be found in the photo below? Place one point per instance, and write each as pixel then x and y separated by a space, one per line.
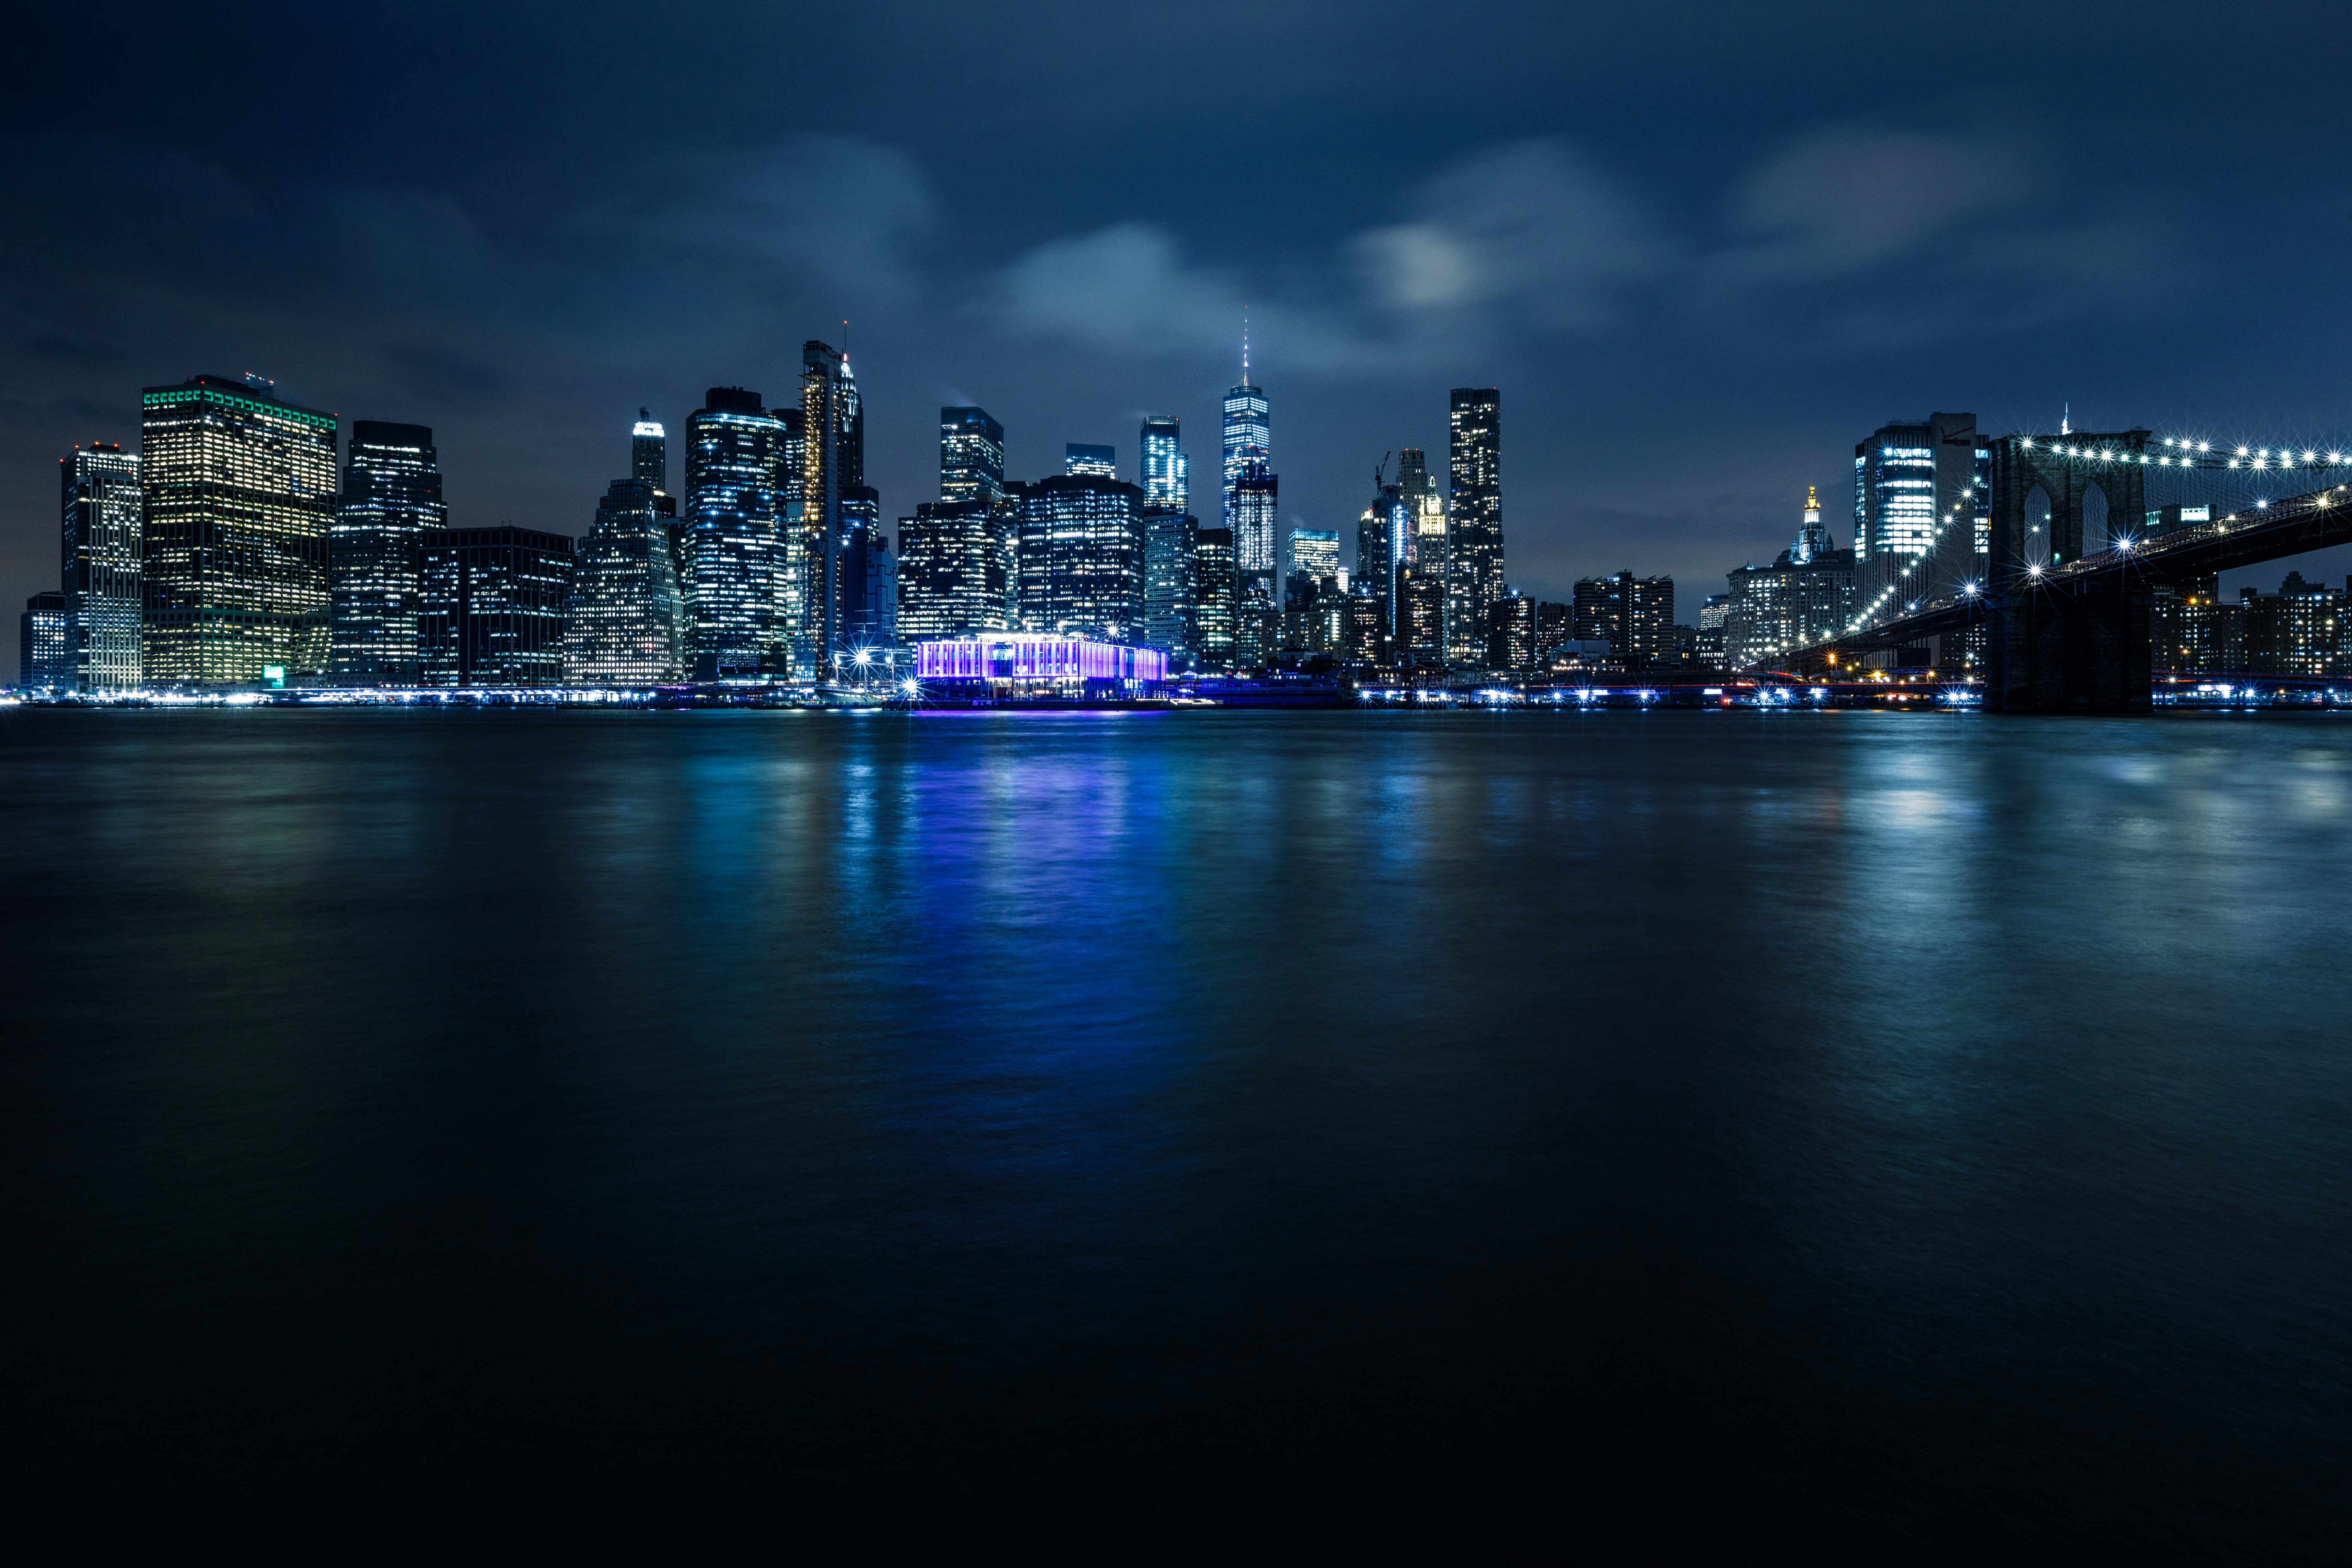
pixel 1245 345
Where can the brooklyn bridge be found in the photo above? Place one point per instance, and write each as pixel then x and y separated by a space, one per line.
pixel 2057 605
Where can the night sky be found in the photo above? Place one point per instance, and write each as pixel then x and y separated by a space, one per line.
pixel 1703 249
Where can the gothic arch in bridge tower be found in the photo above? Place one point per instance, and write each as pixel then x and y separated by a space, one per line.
pixel 2097 532
pixel 2037 528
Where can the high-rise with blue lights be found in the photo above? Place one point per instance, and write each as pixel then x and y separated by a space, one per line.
pixel 1082 557
pixel 736 461
pixel 102 518
pixel 494 606
pixel 833 462
pixel 1474 505
pixel 971 456
pixel 1081 457
pixel 1915 500
pixel 624 621
pixel 390 503
pixel 1248 451
pixel 649 453
pixel 1169 533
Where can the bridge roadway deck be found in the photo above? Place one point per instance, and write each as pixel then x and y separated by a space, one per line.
pixel 2291 527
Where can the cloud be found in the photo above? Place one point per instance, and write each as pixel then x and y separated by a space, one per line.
pixel 1534 228
pixel 846 210
pixel 1526 235
pixel 1849 199
pixel 1125 287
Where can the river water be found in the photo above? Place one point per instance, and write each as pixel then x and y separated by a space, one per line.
pixel 1857 1127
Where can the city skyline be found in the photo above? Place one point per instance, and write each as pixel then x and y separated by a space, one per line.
pixel 1692 327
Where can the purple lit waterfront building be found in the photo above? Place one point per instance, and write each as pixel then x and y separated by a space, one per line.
pixel 1027 659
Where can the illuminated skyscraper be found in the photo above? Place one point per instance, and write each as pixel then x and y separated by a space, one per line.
pixel 1248 450
pixel 972 454
pixel 102 525
pixel 239 492
pixel 1635 616
pixel 736 461
pixel 1082 557
pixel 45 648
pixel 1426 548
pixel 494 604
pixel 1169 535
pixel 1384 538
pixel 1214 596
pixel 1915 495
pixel 1167 473
pixel 1812 534
pixel 1475 516
pixel 625 623
pixel 1315 553
pixel 649 453
pixel 1079 457
pixel 832 457
pixel 957 569
pixel 391 501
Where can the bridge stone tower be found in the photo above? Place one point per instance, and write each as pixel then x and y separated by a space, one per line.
pixel 2075 646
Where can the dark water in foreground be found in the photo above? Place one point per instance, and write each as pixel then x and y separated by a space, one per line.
pixel 1884 1130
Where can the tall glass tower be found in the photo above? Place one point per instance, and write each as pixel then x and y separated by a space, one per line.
pixel 99 493
pixel 1169 535
pixel 649 453
pixel 239 487
pixel 1473 583
pixel 833 459
pixel 392 497
pixel 735 457
pixel 623 624
pixel 1167 473
pixel 971 456
pixel 1248 445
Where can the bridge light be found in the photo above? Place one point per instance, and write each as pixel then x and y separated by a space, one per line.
pixel 2334 456
pixel 2033 570
pixel 2310 457
pixel 2243 453
pixel 2204 446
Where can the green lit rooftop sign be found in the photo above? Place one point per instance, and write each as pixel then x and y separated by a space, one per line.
pixel 215 395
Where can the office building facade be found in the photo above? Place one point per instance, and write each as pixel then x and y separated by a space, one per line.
pixel 239 488
pixel 740 459
pixel 1634 616
pixel 971 456
pixel 102 524
pixel 1919 517
pixel 494 606
pixel 1082 558
pixel 958 572
pixel 390 503
pixel 625 621
pixel 44 647
pixel 649 453
pixel 1473 506
pixel 1215 591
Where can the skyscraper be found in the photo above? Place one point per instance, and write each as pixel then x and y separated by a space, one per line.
pixel 1213 596
pixel 239 492
pixel 1915 496
pixel 1082 553
pixel 957 569
pixel 45 648
pixel 1315 553
pixel 736 461
pixel 1167 476
pixel 391 501
pixel 833 455
pixel 649 453
pixel 972 454
pixel 1169 536
pixel 624 621
pixel 494 606
pixel 1249 447
pixel 1635 616
pixel 98 487
pixel 1079 457
pixel 1384 537
pixel 1475 516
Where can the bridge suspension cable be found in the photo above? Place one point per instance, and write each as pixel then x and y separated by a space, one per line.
pixel 2182 453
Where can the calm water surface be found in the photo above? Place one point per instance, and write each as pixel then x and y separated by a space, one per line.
pixel 1877 1128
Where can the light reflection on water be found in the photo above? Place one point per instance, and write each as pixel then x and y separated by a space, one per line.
pixel 1965 1077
